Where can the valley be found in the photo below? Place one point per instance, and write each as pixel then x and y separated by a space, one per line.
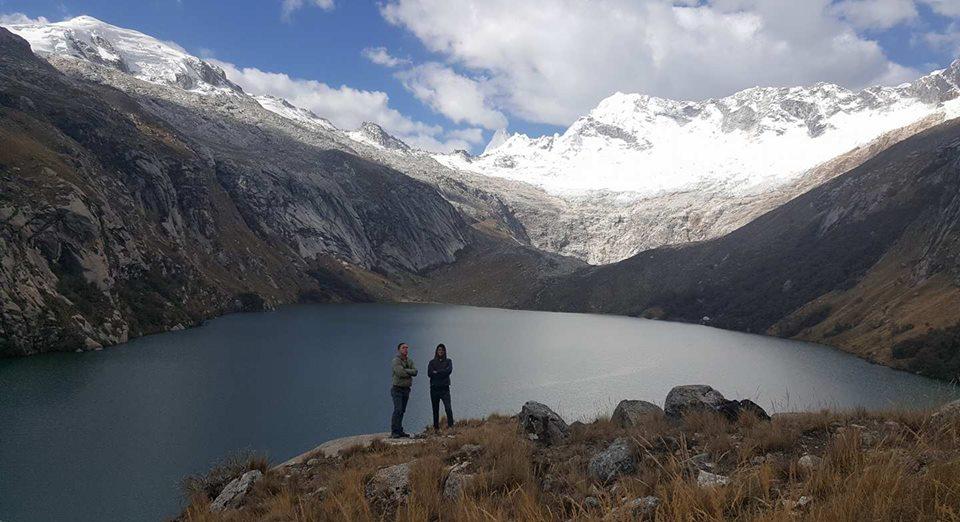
pixel 144 191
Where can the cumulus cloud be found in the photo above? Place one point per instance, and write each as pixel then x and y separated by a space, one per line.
pixel 877 14
pixel 345 106
pixel 949 8
pixel 288 7
pixel 550 62
pixel 20 18
pixel 380 56
pixel 457 97
pixel 947 40
pixel 470 135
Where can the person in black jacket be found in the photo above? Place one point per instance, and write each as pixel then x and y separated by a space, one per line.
pixel 439 371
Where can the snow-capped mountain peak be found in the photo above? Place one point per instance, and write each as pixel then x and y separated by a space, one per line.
pixel 374 135
pixel 758 137
pixel 498 138
pixel 292 112
pixel 132 52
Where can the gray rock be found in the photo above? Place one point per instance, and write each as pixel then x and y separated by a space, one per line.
pixel 705 479
pixel 810 462
pixel 537 419
pixel 692 397
pixel 591 503
pixel 732 410
pixel 457 483
pixel 390 485
pixel 618 459
pixel 800 503
pixel 233 493
pixel 638 508
pixel 701 461
pixel 630 413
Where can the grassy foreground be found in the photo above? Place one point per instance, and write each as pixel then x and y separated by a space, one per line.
pixel 891 465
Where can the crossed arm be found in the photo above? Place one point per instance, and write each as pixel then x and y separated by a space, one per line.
pixel 401 370
pixel 432 371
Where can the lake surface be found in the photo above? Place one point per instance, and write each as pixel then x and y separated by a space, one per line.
pixel 108 435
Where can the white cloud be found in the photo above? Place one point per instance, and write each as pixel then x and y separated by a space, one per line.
pixel 288 7
pixel 553 61
pixel 345 106
pixel 457 97
pixel 877 14
pixel 470 135
pixel 20 18
pixel 435 144
pixel 944 7
pixel 947 40
pixel 380 56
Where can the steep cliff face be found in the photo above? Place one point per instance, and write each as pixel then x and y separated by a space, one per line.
pixel 114 224
pixel 869 262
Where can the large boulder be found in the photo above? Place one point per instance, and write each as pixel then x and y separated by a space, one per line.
pixel 539 420
pixel 458 481
pixel 708 480
pixel 618 459
pixel 732 410
pixel 233 493
pixel 631 413
pixel 692 397
pixel 390 485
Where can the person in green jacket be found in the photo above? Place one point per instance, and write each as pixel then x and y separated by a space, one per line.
pixel 403 373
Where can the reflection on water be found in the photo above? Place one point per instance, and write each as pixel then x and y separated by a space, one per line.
pixel 107 435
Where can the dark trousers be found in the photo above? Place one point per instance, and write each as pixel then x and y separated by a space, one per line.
pixel 401 395
pixel 437 394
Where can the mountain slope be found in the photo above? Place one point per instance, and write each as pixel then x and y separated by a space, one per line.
pixel 749 141
pixel 640 172
pixel 636 173
pixel 114 223
pixel 869 262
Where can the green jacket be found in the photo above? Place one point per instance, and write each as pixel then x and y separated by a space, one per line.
pixel 403 372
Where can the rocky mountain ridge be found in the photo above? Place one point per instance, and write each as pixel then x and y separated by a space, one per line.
pixel 868 261
pixel 600 226
pixel 751 140
pixel 122 216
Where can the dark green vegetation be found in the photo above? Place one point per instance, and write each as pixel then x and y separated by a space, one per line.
pixel 936 353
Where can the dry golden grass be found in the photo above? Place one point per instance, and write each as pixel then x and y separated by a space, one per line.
pixel 893 465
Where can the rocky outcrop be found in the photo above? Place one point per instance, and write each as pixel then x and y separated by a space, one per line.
pixel 732 410
pixel 390 486
pixel 708 480
pixel 630 413
pixel 123 215
pixel 233 493
pixel 809 462
pixel 692 397
pixel 700 397
pixel 618 459
pixel 542 423
pixel 458 481
pixel 859 262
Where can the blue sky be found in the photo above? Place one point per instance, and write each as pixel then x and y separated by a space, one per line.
pixel 453 71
